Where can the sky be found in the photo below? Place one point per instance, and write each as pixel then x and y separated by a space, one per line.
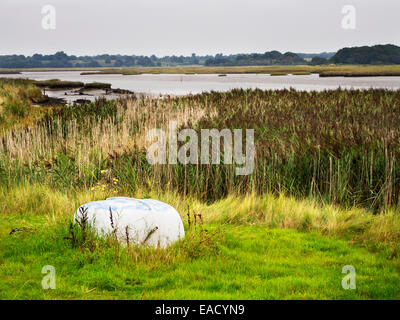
pixel 183 27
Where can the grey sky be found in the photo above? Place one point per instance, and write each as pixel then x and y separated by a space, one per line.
pixel 166 27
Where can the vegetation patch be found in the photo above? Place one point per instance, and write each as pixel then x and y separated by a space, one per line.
pixel 323 194
pixel 212 262
pixel 324 69
pixel 278 74
pixel 359 74
pixel 9 72
pixel 17 96
pixel 97 85
pixel 301 73
pixel 58 84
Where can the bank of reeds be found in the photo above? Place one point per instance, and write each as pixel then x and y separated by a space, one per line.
pixel 339 70
pixel 338 146
pixel 16 99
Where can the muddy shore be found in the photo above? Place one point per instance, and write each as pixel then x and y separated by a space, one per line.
pixel 64 96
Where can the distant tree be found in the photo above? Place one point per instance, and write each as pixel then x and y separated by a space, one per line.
pixel 61 55
pixel 93 64
pixel 218 62
pixel 318 61
pixel 118 63
pixel 380 54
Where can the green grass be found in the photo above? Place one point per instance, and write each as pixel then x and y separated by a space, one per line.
pixel 236 254
pixel 248 262
pixel 16 99
pixel 305 73
pixel 58 84
pixel 97 85
pixel 279 74
pixel 324 194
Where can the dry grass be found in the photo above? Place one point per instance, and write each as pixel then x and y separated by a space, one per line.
pixel 340 69
pixel 16 100
pixel 272 211
pixel 338 146
pixel 124 133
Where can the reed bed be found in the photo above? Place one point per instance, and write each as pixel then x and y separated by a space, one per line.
pixel 339 70
pixel 339 146
pixel 16 98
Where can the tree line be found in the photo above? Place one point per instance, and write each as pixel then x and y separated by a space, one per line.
pixel 379 54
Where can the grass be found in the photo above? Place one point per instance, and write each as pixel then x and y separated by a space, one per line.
pixel 58 84
pixel 16 100
pixel 239 261
pixel 324 194
pixel 279 74
pixel 9 72
pixel 359 73
pixel 300 73
pixel 22 102
pixel 325 70
pixel 339 146
pixel 97 85
pixel 377 232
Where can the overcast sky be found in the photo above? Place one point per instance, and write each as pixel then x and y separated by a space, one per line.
pixel 167 27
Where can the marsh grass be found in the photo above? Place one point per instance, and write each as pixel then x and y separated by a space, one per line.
pixel 324 190
pixel 16 100
pixel 337 146
pixel 97 85
pixel 326 162
pixel 333 70
pixel 326 70
pixel 301 73
pixel 360 73
pixel 278 74
pixel 380 232
pixel 241 260
pixel 56 84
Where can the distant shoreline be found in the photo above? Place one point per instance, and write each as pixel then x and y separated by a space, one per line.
pixel 322 70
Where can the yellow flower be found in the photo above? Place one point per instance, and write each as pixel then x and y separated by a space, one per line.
pixel 102 189
pixel 92 188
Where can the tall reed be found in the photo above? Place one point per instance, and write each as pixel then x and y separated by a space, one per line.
pixel 340 146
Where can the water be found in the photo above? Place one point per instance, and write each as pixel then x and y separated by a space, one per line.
pixel 179 84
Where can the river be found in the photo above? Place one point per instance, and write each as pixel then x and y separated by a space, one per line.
pixel 180 84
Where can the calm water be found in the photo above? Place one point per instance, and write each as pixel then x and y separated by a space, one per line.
pixel 178 84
